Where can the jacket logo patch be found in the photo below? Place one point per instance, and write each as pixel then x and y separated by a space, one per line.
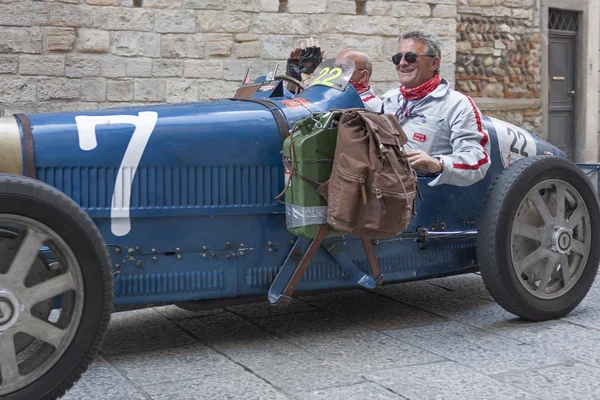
pixel 420 137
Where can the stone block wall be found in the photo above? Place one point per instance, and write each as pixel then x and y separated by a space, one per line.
pixel 499 57
pixel 85 54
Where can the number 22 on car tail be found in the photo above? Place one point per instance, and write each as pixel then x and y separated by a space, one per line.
pixel 514 143
pixel 144 124
pixel 326 76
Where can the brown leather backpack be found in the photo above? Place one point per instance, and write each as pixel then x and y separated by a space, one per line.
pixel 372 188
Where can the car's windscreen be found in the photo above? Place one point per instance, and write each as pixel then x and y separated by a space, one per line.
pixel 333 74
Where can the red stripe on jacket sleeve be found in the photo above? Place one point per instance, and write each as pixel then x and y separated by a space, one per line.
pixel 483 142
pixel 368 98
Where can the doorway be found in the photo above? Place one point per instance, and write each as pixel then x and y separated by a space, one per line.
pixel 562 45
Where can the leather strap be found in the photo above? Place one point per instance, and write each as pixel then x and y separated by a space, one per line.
pixel 311 182
pixel 277 113
pixel 372 260
pixel 308 256
pixel 28 153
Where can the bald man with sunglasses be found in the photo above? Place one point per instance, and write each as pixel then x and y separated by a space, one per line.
pixel 445 133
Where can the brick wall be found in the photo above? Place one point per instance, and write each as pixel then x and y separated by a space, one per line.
pixel 85 54
pixel 499 56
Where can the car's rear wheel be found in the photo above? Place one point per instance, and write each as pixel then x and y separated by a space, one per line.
pixel 55 290
pixel 537 231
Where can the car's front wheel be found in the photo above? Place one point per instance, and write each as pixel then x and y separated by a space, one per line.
pixel 537 246
pixel 55 290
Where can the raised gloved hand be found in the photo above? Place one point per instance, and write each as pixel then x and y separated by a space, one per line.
pixel 292 67
pixel 310 58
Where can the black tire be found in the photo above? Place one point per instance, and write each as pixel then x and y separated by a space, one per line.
pixel 495 240
pixel 40 202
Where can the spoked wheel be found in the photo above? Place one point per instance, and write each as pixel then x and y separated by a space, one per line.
pixel 55 290
pixel 551 239
pixel 535 245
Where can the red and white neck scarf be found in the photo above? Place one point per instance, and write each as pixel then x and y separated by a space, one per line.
pixel 422 90
pixel 360 87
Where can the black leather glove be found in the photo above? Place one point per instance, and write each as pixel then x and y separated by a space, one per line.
pixel 292 69
pixel 310 58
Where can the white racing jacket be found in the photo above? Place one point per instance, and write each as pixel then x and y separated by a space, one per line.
pixel 445 124
pixel 370 100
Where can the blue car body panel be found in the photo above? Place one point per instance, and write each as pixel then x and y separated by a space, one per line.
pixel 203 219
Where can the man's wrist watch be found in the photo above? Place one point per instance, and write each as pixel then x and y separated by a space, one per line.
pixel 442 164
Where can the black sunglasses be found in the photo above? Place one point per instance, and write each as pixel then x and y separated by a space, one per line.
pixel 410 57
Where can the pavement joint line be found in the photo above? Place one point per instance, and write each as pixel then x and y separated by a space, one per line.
pixel 499 376
pixel 192 316
pixel 447 319
pixel 280 336
pixel 462 292
pixel 145 394
pixel 589 328
pixel 396 339
pixel 385 296
pixel 285 338
pixel 360 383
pixel 244 367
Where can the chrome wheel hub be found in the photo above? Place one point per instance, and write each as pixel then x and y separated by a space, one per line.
pixel 550 239
pixel 562 240
pixel 9 309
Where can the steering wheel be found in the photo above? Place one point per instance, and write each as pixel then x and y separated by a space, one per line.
pixel 292 80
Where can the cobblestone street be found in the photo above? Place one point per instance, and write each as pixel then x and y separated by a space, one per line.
pixel 436 339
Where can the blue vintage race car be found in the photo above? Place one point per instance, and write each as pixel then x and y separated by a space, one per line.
pixel 176 204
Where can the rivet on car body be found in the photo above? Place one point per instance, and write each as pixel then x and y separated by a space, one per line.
pixel 137 248
pixel 204 248
pixel 212 254
pixel 154 250
pixel 154 258
pixel 228 244
pixel 204 255
pixel 117 266
pixel 178 256
pixel 117 249
pixel 138 264
pixel 241 253
pixel 132 258
pixel 130 251
pixel 270 243
pixel 178 250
